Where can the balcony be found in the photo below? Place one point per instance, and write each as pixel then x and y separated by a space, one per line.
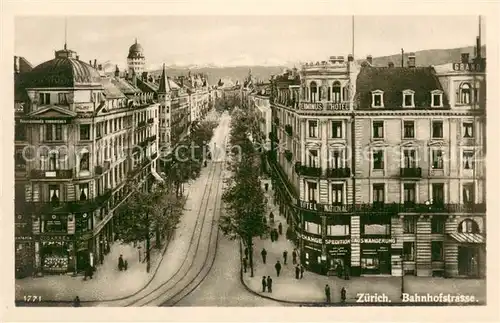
pixel 100 169
pixel 410 172
pixel 308 171
pixel 51 174
pixel 141 124
pixel 151 120
pixel 61 207
pixel 288 130
pixel 338 172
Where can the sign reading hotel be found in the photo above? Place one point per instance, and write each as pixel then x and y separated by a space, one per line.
pixel 468 67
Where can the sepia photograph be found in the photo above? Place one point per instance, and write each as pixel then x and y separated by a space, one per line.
pixel 249 161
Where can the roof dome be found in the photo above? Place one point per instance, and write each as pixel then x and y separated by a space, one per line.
pixel 66 70
pixel 135 50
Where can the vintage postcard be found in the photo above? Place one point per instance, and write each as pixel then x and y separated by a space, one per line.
pixel 299 161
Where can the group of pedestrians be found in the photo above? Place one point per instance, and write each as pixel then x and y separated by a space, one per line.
pixel 122 263
pixel 343 294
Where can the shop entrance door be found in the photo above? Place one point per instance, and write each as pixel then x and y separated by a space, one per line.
pixel 82 260
pixel 384 262
pixel 468 259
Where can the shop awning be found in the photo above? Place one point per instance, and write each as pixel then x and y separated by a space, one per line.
pixel 467 237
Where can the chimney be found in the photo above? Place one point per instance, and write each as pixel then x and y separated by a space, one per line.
pixel 411 60
pixel 90 62
pixel 145 76
pixel 77 57
pixel 369 59
pixel 465 58
pixel 391 64
pixel 95 63
pixel 16 64
pixel 478 47
pixel 350 58
pixel 99 67
pixel 117 71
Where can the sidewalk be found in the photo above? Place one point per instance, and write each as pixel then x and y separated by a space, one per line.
pixel 107 282
pixel 311 287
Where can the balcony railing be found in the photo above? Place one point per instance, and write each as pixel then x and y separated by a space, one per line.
pixel 79 206
pixel 51 174
pixel 411 172
pixel 308 171
pixel 288 130
pixel 338 172
pixel 151 120
pixel 100 169
pixel 141 123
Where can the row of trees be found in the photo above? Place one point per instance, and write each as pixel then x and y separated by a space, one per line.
pixel 157 212
pixel 244 198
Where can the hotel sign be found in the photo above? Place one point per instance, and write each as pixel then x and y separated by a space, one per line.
pixel 324 207
pixel 337 106
pixel 44 121
pixel 468 67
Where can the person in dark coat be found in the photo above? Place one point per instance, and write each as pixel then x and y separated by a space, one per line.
pixel 125 264
pixel 285 255
pixel 301 271
pixel 76 302
pixel 246 252
pixel 280 228
pixel 297 272
pixel 269 284
pixel 346 272
pixel 294 257
pixel 278 268
pixel 120 263
pixel 275 235
pixel 327 294
pixel 264 284
pixel 271 234
pixel 271 217
pixel 343 295
pixel 263 253
pixel 245 264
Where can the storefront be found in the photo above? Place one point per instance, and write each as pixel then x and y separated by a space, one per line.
pixel 376 256
pixel 339 256
pixel 55 254
pixel 24 246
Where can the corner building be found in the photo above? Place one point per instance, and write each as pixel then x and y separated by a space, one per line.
pixel 380 169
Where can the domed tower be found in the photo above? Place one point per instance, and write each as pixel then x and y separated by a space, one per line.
pixel 135 59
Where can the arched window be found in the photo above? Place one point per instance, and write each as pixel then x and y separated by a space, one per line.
pixel 336 92
pixel 464 94
pixel 314 91
pixel 468 226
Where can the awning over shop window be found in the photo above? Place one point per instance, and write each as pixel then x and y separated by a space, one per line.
pixel 467 237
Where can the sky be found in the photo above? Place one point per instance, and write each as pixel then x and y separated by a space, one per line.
pixel 237 40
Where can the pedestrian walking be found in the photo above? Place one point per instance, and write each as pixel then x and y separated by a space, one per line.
pixel 278 268
pixel 245 264
pixel 264 284
pixel 76 302
pixel 271 235
pixel 89 272
pixel 271 217
pixel 269 284
pixel 263 253
pixel 346 272
pixel 301 271
pixel 327 293
pixel 101 258
pixel 120 263
pixel 275 235
pixel 246 252
pixel 285 254
pixel 294 256
pixel 297 272
pixel 343 295
pixel 125 265
pixel 280 228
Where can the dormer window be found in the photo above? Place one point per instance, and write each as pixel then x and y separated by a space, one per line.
pixel 436 98
pixel 408 99
pixel 377 99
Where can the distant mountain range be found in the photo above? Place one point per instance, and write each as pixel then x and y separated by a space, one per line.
pixel 423 58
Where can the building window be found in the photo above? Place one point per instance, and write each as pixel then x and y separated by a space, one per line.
pixel 336 98
pixel 468 194
pixel 378 129
pixel 436 99
pixel 437 129
pixel 313 158
pixel 337 230
pixel 84 132
pixel 409 224
pixel 63 98
pixel 410 158
pixel 437 250
pixel 314 91
pixel 53 161
pixel 468 130
pixel 44 98
pixel 408 99
pixel 313 128
pixel 337 194
pixel 377 99
pixel 336 129
pixel 409 193
pixel 19 159
pixel 53 132
pixel 468 159
pixel 20 132
pixel 468 226
pixel 54 194
pixel 464 94
pixel 311 191
pixel 335 160
pixel 409 251
pixel 84 161
pixel 378 193
pixel 376 229
pixel 84 191
pixel 438 193
pixel 408 129
pixel 437 225
pixel 378 159
pixel 437 159
pixel 312 227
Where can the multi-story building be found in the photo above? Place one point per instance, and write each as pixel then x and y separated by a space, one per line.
pixel 80 136
pixel 258 100
pixel 199 96
pixel 380 169
pixel 136 59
